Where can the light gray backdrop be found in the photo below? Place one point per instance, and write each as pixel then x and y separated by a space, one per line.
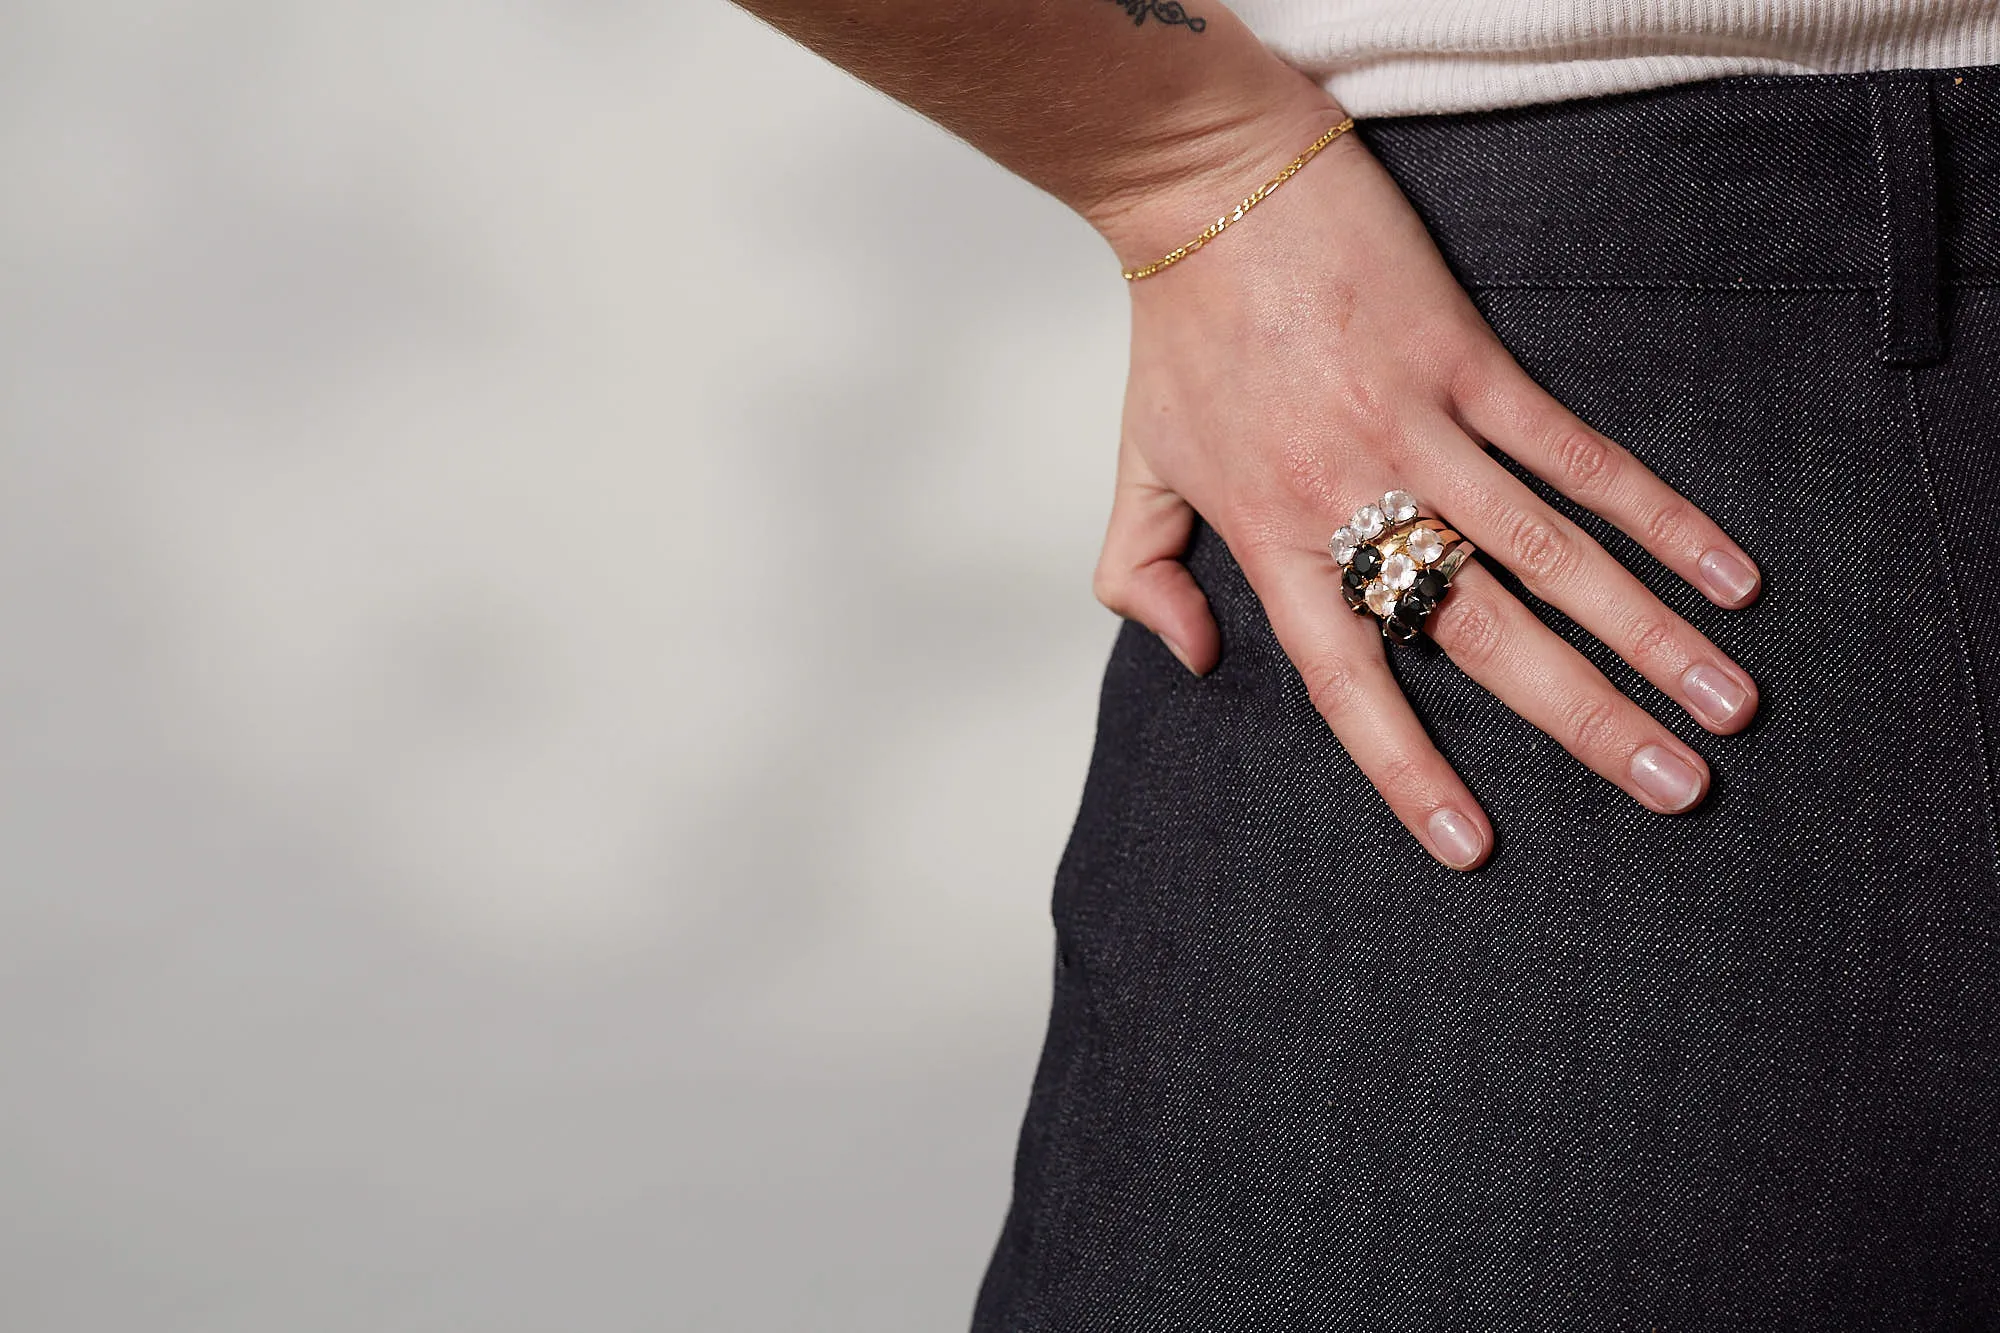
pixel 548 661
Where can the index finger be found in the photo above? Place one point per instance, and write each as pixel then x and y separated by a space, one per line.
pixel 1503 405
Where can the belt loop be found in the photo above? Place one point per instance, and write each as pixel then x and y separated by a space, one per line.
pixel 1906 158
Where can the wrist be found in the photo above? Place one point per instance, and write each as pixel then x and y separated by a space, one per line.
pixel 1204 174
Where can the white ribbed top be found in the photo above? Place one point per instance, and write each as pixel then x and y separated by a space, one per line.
pixel 1389 57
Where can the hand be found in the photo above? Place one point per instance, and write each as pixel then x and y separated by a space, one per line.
pixel 1318 353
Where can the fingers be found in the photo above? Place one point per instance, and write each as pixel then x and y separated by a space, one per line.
pixel 1498 642
pixel 1501 403
pixel 1139 572
pixel 1339 657
pixel 1563 565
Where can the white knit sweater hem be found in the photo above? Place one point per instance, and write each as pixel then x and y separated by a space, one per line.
pixel 1402 57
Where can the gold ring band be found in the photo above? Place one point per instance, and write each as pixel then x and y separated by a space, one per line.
pixel 1397 563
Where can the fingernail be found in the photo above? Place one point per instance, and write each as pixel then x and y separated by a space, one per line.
pixel 1455 838
pixel 1728 575
pixel 1179 652
pixel 1666 777
pixel 1713 692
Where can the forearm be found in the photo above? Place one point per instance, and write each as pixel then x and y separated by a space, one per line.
pixel 1132 124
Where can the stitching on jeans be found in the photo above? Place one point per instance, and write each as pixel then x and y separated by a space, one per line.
pixel 1878 140
pixel 1743 83
pixel 1726 85
pixel 1070 1131
pixel 1556 284
pixel 1925 343
pixel 1930 201
pixel 1907 171
pixel 1960 634
pixel 1033 1290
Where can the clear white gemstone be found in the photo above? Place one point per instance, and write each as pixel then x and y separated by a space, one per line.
pixel 1368 521
pixel 1344 542
pixel 1381 597
pixel 1399 571
pixel 1399 505
pixel 1425 545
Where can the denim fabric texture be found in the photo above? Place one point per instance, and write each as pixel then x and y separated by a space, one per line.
pixel 1735 1069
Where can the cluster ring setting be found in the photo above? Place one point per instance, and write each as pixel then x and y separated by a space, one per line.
pixel 1397 563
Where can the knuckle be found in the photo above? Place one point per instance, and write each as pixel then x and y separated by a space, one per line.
pixel 1334 686
pixel 1111 588
pixel 1258 535
pixel 1667 524
pixel 1591 727
pixel 1471 631
pixel 1401 775
pixel 1306 464
pixel 1651 638
pixel 1365 412
pixel 1539 552
pixel 1583 458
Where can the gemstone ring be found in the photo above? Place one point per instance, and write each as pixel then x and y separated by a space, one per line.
pixel 1397 563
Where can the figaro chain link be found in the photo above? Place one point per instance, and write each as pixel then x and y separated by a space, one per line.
pixel 1214 229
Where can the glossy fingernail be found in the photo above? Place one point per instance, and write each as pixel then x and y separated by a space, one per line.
pixel 1713 693
pixel 1455 839
pixel 1179 652
pixel 1727 575
pixel 1666 777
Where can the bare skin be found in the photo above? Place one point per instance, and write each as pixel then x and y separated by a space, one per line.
pixel 1315 354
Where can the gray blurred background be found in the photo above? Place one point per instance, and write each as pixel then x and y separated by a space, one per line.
pixel 548 663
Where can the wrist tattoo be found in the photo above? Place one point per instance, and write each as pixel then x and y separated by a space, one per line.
pixel 1166 11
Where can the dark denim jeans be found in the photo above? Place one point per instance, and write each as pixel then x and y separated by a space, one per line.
pixel 1737 1069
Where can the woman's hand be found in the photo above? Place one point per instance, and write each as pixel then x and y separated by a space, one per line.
pixel 1319 353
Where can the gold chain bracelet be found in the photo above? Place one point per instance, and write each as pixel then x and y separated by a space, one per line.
pixel 1214 229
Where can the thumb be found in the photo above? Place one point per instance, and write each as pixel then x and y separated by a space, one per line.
pixel 1139 572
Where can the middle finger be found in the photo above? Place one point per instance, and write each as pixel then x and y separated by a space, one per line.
pixel 1501 644
pixel 1565 566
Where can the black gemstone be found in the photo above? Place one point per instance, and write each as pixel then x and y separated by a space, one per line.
pixel 1367 560
pixel 1412 607
pixel 1354 578
pixel 1430 585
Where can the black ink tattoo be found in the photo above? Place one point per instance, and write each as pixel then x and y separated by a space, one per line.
pixel 1166 11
